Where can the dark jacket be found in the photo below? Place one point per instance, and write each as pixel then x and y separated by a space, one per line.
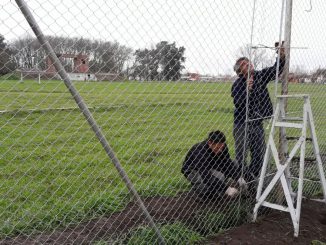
pixel 203 159
pixel 260 104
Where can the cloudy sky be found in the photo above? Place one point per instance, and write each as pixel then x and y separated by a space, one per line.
pixel 211 30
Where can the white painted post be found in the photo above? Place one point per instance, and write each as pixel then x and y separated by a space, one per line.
pixel 316 150
pixel 301 170
pixel 21 77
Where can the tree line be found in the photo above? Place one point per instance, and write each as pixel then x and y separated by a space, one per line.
pixel 104 56
pixel 162 62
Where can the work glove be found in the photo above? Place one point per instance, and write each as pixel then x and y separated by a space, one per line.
pixel 231 192
pixel 242 184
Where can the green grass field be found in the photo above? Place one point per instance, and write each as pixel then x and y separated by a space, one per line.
pixel 54 172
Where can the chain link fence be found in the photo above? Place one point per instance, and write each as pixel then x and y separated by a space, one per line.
pixel 159 84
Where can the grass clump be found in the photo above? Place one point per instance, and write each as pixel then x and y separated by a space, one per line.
pixel 173 234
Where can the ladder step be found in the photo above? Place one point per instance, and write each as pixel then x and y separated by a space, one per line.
pixel 292 119
pixel 319 200
pixel 297 138
pixel 288 125
pixel 275 206
pixel 316 179
pixel 306 159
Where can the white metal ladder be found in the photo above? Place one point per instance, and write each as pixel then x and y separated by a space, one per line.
pixel 283 168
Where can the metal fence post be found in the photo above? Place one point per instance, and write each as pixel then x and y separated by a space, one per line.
pixel 86 112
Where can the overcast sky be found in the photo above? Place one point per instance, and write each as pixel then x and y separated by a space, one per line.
pixel 211 30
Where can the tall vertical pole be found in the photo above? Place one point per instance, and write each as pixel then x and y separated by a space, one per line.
pixel 287 43
pixel 283 146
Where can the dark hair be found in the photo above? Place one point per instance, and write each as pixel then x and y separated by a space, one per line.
pixel 216 137
pixel 236 66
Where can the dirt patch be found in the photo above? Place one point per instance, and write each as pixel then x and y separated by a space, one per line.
pixel 277 228
pixel 274 228
pixel 183 207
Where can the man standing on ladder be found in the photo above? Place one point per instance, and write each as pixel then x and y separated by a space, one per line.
pixel 252 104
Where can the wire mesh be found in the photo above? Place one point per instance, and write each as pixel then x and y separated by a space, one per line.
pixel 159 80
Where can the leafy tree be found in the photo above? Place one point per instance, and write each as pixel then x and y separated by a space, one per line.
pixel 2 42
pixel 164 62
pixel 319 73
pixel 171 59
pixel 146 64
pixel 7 63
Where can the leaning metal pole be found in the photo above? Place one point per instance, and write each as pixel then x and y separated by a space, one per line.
pixel 83 107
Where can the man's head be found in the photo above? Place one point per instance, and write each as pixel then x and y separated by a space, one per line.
pixel 216 141
pixel 242 66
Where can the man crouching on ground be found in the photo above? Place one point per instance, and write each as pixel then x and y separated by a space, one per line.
pixel 208 165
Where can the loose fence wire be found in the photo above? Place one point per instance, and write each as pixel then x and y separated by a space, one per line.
pixel 157 77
